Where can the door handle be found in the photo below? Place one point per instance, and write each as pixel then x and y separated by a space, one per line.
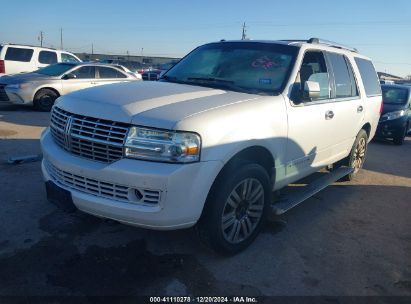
pixel 360 109
pixel 329 115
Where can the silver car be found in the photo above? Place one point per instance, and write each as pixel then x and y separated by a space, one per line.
pixel 42 87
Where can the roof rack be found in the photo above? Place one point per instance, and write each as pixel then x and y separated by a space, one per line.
pixel 331 43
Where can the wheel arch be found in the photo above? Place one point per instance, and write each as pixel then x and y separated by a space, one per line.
pixel 46 88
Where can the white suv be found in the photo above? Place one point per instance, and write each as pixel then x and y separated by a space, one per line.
pixel 229 124
pixel 16 58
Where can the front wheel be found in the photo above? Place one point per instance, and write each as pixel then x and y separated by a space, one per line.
pixel 236 208
pixel 399 140
pixel 44 100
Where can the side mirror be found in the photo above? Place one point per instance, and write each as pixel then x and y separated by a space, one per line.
pixel 312 89
pixel 69 76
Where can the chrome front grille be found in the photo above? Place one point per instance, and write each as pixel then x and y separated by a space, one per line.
pixel 88 137
pixel 104 189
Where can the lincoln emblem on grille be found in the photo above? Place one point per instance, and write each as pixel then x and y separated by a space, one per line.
pixel 67 130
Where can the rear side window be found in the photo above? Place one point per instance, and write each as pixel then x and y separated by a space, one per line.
pixel 105 72
pixel 345 85
pixel 18 54
pixel 369 77
pixel 47 57
pixel 86 72
pixel 68 58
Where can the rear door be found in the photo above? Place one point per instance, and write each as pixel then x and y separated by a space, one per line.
pixel 84 77
pixel 19 60
pixel 106 75
pixel 348 105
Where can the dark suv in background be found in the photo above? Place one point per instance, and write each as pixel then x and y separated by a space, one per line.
pixel 395 121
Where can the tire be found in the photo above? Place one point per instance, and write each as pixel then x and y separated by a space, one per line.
pixel 44 100
pixel 231 220
pixel 399 140
pixel 356 157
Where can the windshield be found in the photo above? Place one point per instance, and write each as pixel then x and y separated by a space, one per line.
pixel 55 69
pixel 250 67
pixel 391 95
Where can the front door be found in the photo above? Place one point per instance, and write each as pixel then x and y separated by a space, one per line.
pixel 84 77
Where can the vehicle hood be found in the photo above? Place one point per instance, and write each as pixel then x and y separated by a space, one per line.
pixel 23 77
pixel 148 103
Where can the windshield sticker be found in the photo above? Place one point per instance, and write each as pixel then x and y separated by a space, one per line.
pixel 264 62
pixel 265 81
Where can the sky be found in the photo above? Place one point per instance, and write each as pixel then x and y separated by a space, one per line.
pixel 378 29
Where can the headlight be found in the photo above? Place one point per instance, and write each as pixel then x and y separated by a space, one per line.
pixel 18 85
pixel 393 115
pixel 159 145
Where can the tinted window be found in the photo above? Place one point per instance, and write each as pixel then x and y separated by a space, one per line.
pixel 344 83
pixel 394 95
pixel 18 54
pixel 68 58
pixel 369 77
pixel 85 72
pixel 314 68
pixel 110 73
pixel 55 69
pixel 47 57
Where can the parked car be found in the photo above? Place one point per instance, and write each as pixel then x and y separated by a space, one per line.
pixel 207 145
pixel 42 87
pixel 395 121
pixel 124 69
pixel 151 74
pixel 165 67
pixel 15 58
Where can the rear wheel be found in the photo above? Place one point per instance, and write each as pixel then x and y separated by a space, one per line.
pixel 356 157
pixel 44 100
pixel 236 208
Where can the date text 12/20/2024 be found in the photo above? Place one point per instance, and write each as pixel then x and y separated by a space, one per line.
pixel 239 299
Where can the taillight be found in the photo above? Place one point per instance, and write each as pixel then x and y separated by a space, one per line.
pixel 381 107
pixel 2 67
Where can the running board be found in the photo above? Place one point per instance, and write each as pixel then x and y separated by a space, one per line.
pixel 300 193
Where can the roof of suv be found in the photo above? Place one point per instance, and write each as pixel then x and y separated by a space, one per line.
pixel 300 42
pixel 33 46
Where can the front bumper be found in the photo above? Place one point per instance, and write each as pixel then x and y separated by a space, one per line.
pixel 183 188
pixel 391 128
pixel 19 96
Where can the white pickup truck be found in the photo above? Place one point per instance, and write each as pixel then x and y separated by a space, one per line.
pixel 229 124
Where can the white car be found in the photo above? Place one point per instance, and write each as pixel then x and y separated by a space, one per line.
pixel 15 58
pixel 229 124
pixel 42 87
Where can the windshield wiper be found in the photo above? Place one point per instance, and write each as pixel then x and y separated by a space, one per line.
pixel 228 84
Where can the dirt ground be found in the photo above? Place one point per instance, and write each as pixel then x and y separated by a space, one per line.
pixel 350 239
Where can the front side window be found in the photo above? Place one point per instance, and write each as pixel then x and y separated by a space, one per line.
pixel 47 57
pixel 314 68
pixel 68 58
pixel 369 77
pixel 19 54
pixel 105 72
pixel 343 76
pixel 85 72
pixel 250 67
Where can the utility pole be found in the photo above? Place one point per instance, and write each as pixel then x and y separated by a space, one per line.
pixel 41 37
pixel 128 56
pixel 243 37
pixel 92 49
pixel 61 38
